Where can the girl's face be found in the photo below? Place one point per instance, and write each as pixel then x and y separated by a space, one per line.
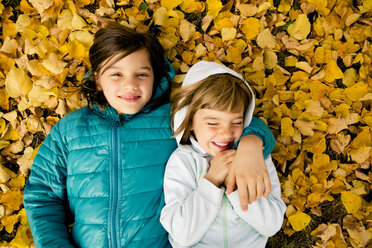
pixel 217 130
pixel 127 84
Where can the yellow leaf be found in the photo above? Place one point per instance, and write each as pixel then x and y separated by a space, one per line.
pixel 284 6
pixel 321 6
pixel 187 57
pixel 17 83
pixel 351 19
pixel 359 188
pixel 362 139
pixel 170 4
pixel 301 28
pixel 266 40
pixel 17 182
pixel 305 127
pixel 214 7
pixel 321 162
pixel 351 201
pixel 313 199
pixel 168 41
pixel 228 33
pixel 187 30
pixel 34 124
pixel 366 7
pixel 335 125
pixel 191 6
pixel 270 59
pixel 64 20
pixel 264 6
pixel 4 175
pixel 160 16
pixel 53 64
pixel 77 22
pixel 9 221
pixel 247 9
pixel 22 239
pixel 315 108
pixel 361 154
pixel 76 50
pixel 304 66
pixel 333 72
pixel 235 50
pixel 26 8
pixel 83 36
pixel 251 28
pixel 286 127
pixel 12 198
pixel 233 55
pixel 41 5
pixel 6 63
pixel 356 91
pixel 299 221
pixel 9 30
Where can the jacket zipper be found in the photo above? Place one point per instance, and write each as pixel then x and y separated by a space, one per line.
pixel 115 186
pixel 224 222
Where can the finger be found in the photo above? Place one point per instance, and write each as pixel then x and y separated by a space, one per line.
pixel 228 153
pixel 267 184
pixel 259 189
pixel 231 180
pixel 252 191
pixel 243 195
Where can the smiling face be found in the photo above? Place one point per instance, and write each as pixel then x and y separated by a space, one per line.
pixel 127 84
pixel 217 130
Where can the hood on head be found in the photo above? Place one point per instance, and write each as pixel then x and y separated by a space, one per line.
pixel 200 71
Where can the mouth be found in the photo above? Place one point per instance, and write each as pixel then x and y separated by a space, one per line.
pixel 130 98
pixel 223 145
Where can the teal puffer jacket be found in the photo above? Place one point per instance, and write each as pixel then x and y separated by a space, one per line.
pixel 103 172
pixel 109 170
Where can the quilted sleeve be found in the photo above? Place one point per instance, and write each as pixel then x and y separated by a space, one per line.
pixel 261 130
pixel 45 197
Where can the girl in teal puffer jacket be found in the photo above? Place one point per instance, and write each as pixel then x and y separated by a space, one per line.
pixel 101 167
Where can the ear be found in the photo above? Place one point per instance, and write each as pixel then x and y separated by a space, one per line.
pixel 98 82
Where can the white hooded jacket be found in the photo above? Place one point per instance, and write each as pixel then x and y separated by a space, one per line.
pixel 199 214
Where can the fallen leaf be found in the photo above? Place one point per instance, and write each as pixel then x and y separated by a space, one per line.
pixel 299 221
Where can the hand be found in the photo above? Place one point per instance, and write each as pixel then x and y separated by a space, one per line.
pixel 220 167
pixel 249 172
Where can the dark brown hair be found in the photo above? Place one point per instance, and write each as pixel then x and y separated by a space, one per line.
pixel 117 41
pixel 222 92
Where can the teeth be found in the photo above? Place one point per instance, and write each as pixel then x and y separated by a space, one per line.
pixel 222 143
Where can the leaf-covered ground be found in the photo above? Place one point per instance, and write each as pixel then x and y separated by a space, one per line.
pixel 309 62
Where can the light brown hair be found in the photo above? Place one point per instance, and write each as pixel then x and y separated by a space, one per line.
pixel 222 92
pixel 115 42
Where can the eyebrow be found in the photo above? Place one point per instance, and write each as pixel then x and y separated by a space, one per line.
pixel 143 67
pixel 215 118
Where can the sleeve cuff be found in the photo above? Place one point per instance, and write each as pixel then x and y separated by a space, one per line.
pixel 210 192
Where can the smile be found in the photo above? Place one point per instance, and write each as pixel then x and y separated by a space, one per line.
pixel 130 98
pixel 223 145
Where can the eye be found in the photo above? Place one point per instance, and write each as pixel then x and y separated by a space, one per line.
pixel 238 123
pixel 142 75
pixel 212 123
pixel 115 75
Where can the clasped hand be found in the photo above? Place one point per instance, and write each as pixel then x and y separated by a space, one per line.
pixel 246 172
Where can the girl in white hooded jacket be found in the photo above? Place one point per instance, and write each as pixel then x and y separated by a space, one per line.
pixel 209 113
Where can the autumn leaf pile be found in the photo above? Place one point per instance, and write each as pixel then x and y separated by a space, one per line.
pixel 309 62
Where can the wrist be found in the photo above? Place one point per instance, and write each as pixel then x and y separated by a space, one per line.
pixel 213 181
pixel 250 142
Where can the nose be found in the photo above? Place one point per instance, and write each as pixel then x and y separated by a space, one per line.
pixel 129 83
pixel 226 131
